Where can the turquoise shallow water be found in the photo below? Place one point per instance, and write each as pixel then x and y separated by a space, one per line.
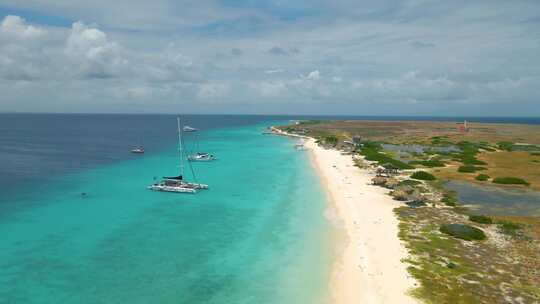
pixel 258 236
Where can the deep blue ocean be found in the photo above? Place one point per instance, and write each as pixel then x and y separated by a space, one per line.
pixel 259 235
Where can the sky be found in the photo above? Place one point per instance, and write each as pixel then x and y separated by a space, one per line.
pixel 341 57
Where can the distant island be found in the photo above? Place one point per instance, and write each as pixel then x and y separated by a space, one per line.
pixel 485 250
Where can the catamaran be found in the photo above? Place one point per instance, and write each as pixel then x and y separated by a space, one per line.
pixel 177 183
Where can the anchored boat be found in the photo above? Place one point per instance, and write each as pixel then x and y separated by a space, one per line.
pixel 196 155
pixel 177 183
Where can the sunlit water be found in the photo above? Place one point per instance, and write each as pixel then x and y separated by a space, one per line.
pixel 259 235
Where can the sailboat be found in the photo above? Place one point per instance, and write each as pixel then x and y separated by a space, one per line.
pixel 139 149
pixel 177 183
pixel 200 156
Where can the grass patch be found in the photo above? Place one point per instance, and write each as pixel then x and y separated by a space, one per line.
pixel 462 231
pixel 482 177
pixel 482 219
pixel 469 169
pixel 423 175
pixel 510 181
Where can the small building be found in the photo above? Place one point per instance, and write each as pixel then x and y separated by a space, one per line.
pixel 357 140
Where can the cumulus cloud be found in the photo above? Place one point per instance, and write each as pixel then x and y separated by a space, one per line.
pixel 313 75
pixel 16 27
pixel 96 56
pixel 441 54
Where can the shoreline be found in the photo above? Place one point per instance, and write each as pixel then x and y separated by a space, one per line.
pixel 369 270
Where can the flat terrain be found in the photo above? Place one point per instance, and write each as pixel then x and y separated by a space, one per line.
pixel 495 161
pixel 422 131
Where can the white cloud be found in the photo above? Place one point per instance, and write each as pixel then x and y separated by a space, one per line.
pixel 212 91
pixel 439 54
pixel 95 55
pixel 16 27
pixel 274 71
pixel 314 75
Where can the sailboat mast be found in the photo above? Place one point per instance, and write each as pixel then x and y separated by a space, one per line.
pixel 180 147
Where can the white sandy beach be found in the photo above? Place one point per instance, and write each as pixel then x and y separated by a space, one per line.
pixel 370 270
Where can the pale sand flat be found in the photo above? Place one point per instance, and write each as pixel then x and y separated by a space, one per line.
pixel 370 269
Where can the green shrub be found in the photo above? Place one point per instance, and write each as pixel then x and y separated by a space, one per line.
pixel 482 219
pixel 469 169
pixel 464 232
pixel 535 153
pixel 510 228
pixel 449 200
pixel 471 160
pixel 505 145
pixel 510 181
pixel 422 175
pixel 331 140
pixel 371 151
pixel 430 163
pixel 482 177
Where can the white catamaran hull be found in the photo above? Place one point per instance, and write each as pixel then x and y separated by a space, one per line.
pixel 172 189
pixel 177 184
pixel 201 159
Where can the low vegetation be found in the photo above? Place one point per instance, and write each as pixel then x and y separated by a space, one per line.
pixel 481 219
pixel 482 177
pixel 432 163
pixel 462 231
pixel 505 145
pixel 331 140
pixel 409 182
pixel 423 175
pixel 453 270
pixel 510 181
pixel 469 169
pixel 372 152
pixel 449 200
pixel 510 228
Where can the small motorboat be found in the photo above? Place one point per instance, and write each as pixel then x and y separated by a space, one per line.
pixel 189 129
pixel 138 150
pixel 201 156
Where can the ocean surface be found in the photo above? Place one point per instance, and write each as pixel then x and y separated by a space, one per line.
pixel 259 235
